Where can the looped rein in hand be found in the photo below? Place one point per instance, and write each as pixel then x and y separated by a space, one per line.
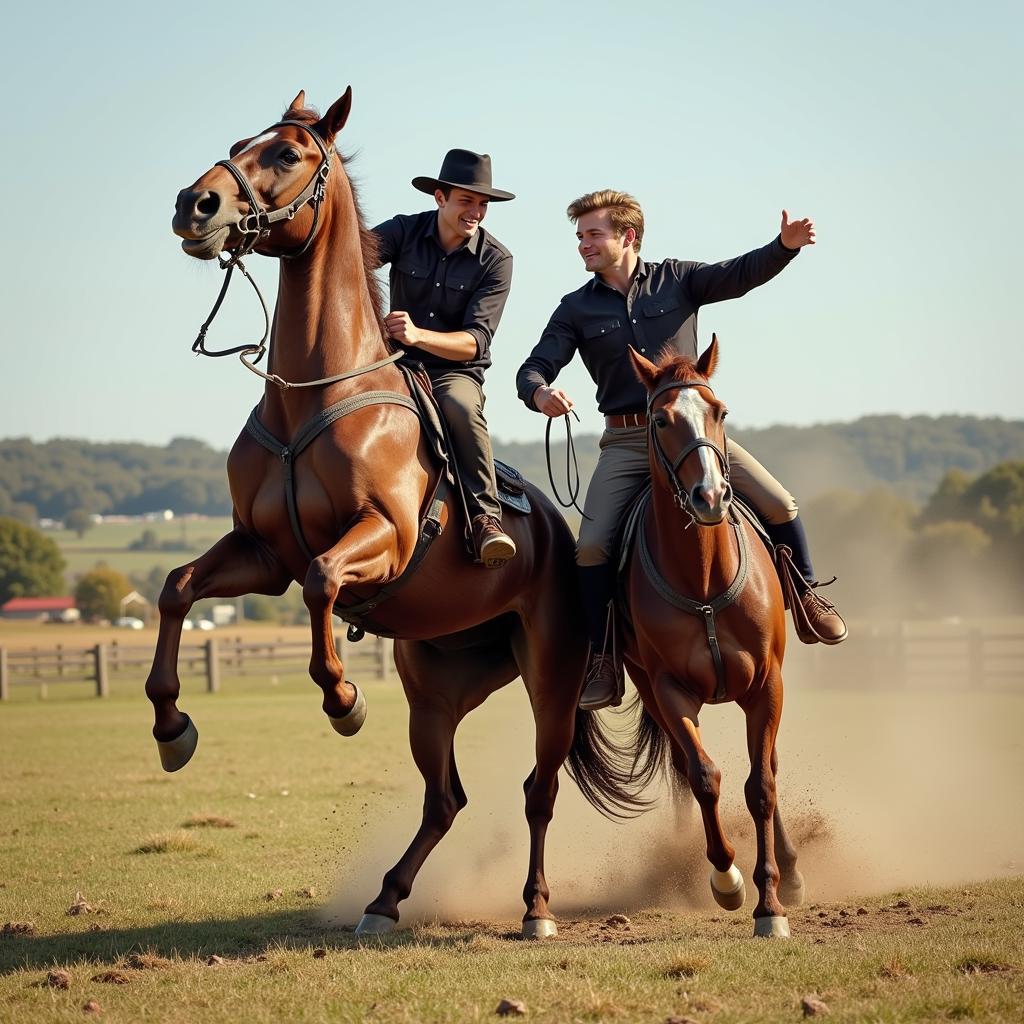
pixel 254 227
pixel 572 466
pixel 671 466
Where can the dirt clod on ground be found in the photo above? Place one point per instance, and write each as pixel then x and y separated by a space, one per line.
pixel 112 978
pixel 147 962
pixel 208 821
pixel 91 1006
pixel 58 979
pixel 511 1008
pixel 80 906
pixel 213 960
pixel 274 894
pixel 319 953
pixel 18 928
pixel 814 1007
pixel 618 921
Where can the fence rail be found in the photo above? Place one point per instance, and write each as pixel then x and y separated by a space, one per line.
pixel 210 659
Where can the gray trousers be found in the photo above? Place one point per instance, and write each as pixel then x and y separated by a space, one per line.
pixel 462 404
pixel 623 467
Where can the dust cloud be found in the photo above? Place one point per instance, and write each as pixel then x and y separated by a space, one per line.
pixel 880 786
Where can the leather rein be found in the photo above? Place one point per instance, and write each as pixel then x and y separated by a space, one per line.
pixel 705 610
pixel 254 227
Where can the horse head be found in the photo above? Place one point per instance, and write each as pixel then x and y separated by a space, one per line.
pixel 266 196
pixel 686 432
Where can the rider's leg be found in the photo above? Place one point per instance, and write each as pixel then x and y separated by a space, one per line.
pixel 778 510
pixel 461 400
pixel 621 470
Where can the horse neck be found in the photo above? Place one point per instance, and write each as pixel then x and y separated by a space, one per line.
pixel 700 561
pixel 324 322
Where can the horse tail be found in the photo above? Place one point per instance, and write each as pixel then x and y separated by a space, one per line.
pixel 603 771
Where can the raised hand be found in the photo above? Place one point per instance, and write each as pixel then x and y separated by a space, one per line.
pixel 798 233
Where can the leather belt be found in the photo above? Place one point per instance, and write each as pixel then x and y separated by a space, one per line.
pixel 627 419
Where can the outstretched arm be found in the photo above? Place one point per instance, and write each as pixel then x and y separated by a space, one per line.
pixel 716 282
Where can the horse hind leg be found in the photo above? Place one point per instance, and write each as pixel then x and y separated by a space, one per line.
pixel 791 881
pixel 235 565
pixel 762 727
pixel 441 689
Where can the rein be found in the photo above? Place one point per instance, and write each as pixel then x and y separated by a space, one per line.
pixel 254 227
pixel 572 466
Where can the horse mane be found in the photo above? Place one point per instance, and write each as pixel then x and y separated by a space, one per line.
pixel 674 367
pixel 367 239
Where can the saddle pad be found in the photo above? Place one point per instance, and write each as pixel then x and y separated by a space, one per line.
pixel 511 488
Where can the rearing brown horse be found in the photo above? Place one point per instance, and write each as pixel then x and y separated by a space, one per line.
pixel 708 626
pixel 361 487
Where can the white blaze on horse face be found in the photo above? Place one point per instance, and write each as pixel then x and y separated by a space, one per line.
pixel 265 137
pixel 691 407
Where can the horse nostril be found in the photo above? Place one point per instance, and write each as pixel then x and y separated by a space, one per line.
pixel 208 204
pixel 727 495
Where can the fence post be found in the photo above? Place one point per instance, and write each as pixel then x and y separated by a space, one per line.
pixel 60 659
pixel 102 681
pixel 976 659
pixel 212 667
pixel 4 679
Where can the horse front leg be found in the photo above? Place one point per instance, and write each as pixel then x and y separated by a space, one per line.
pixel 235 565
pixel 679 710
pixel 362 555
pixel 763 718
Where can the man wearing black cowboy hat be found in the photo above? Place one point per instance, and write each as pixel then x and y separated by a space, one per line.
pixel 449 282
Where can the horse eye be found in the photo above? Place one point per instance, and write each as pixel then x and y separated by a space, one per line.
pixel 660 422
pixel 289 156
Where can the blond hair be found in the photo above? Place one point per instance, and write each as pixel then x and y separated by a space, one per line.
pixel 624 211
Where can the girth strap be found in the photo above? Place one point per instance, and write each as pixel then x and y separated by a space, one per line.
pixel 306 434
pixel 705 610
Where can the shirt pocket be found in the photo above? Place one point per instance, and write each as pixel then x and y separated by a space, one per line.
pixel 654 307
pixel 460 286
pixel 417 270
pixel 601 327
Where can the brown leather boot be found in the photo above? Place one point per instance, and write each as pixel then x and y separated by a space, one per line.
pixel 494 546
pixel 604 684
pixel 823 617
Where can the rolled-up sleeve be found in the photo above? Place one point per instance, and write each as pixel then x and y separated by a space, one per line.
pixel 715 282
pixel 555 349
pixel 389 240
pixel 483 313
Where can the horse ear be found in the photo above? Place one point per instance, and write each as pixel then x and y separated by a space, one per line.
pixel 708 361
pixel 299 103
pixel 645 370
pixel 334 120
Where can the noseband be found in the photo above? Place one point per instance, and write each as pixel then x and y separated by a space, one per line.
pixel 680 496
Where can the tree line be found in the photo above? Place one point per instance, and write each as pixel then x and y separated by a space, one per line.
pixel 909 456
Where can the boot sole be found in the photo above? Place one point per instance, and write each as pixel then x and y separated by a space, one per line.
pixel 497 552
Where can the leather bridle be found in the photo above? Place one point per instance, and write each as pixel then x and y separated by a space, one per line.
pixel 671 466
pixel 254 227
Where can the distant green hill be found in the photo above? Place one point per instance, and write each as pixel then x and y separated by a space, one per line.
pixel 909 456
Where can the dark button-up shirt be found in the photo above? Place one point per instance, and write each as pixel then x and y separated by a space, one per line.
pixel 659 312
pixel 464 290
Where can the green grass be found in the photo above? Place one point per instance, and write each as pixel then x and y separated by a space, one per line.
pixel 82 795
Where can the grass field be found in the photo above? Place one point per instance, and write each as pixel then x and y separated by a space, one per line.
pixel 109 542
pixel 261 851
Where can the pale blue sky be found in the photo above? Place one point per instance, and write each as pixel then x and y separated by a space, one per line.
pixel 896 126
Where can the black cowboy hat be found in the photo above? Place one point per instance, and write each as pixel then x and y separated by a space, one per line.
pixel 464 169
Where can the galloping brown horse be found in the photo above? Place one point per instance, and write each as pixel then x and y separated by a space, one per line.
pixel 341 507
pixel 708 626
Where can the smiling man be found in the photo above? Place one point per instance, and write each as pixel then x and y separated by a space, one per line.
pixel 449 282
pixel 652 307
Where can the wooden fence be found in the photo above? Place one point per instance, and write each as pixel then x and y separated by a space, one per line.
pixel 216 656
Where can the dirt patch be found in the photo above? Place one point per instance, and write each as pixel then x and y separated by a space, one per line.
pixel 208 821
pixel 147 962
pixel 18 928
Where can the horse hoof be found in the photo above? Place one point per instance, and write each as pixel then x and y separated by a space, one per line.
pixel 540 928
pixel 727 887
pixel 375 924
pixel 351 723
pixel 177 753
pixel 771 928
pixel 791 890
